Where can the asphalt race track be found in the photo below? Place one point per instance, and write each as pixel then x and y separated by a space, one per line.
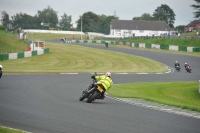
pixel 50 103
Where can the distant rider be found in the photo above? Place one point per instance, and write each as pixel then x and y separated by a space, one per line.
pixel 187 66
pixel 177 64
pixel 105 81
pixel 1 67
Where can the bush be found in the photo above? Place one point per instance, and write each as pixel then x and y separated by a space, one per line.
pixel 2 27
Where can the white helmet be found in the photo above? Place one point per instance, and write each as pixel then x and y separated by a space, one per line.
pixel 185 63
pixel 1 66
pixel 108 74
pixel 176 61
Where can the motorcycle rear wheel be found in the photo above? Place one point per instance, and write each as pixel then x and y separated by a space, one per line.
pixel 92 98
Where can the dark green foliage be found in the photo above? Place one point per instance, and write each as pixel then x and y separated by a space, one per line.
pixel 165 13
pixel 197 8
pixel 2 27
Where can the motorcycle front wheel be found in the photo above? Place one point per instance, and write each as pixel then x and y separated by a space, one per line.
pixel 83 96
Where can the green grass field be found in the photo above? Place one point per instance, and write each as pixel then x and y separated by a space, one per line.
pixel 10 43
pixel 180 94
pixel 73 58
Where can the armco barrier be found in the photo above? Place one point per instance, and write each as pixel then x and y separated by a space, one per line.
pixel 136 45
pixel 196 49
pixel 46 50
pixel 93 41
pixel 1 57
pixel 144 45
pixel 5 56
pixel 20 55
pixel 172 47
pixel 182 48
pixel 103 42
pixel 148 45
pixel 12 56
pixel 157 46
pixel 164 46
pixel 34 53
pixel 23 54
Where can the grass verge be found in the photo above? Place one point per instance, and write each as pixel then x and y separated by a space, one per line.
pixel 10 43
pixel 72 58
pixel 8 130
pixel 179 94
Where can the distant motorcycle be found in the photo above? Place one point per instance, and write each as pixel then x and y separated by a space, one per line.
pixel 63 40
pixel 188 69
pixel 178 68
pixel 92 93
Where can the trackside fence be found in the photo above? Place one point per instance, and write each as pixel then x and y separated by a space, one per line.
pixel 23 54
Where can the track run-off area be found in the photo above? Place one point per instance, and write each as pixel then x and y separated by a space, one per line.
pixel 50 103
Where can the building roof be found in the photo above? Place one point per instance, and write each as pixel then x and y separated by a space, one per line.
pixel 193 23
pixel 140 25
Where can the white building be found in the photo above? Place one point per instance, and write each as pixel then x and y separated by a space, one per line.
pixel 130 28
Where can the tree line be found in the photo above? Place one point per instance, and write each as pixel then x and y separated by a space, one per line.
pixel 88 21
pixel 48 19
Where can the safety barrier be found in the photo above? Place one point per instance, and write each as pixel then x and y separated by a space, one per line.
pixel 23 54
pixel 143 45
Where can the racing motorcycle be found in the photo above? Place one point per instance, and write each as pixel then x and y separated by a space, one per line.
pixel 92 93
pixel 188 69
pixel 178 68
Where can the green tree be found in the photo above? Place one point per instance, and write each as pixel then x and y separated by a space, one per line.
pixel 47 15
pixel 65 22
pixel 165 13
pixel 197 8
pixel 104 23
pixel 92 22
pixel 89 21
pixel 5 19
pixel 145 16
pixel 180 28
pixel 22 20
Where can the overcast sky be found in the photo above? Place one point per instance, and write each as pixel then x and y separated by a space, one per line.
pixel 125 9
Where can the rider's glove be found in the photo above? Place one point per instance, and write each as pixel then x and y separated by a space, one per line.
pixel 93 77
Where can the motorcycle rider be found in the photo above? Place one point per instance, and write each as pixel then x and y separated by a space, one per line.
pixel 1 67
pixel 105 81
pixel 187 66
pixel 177 64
